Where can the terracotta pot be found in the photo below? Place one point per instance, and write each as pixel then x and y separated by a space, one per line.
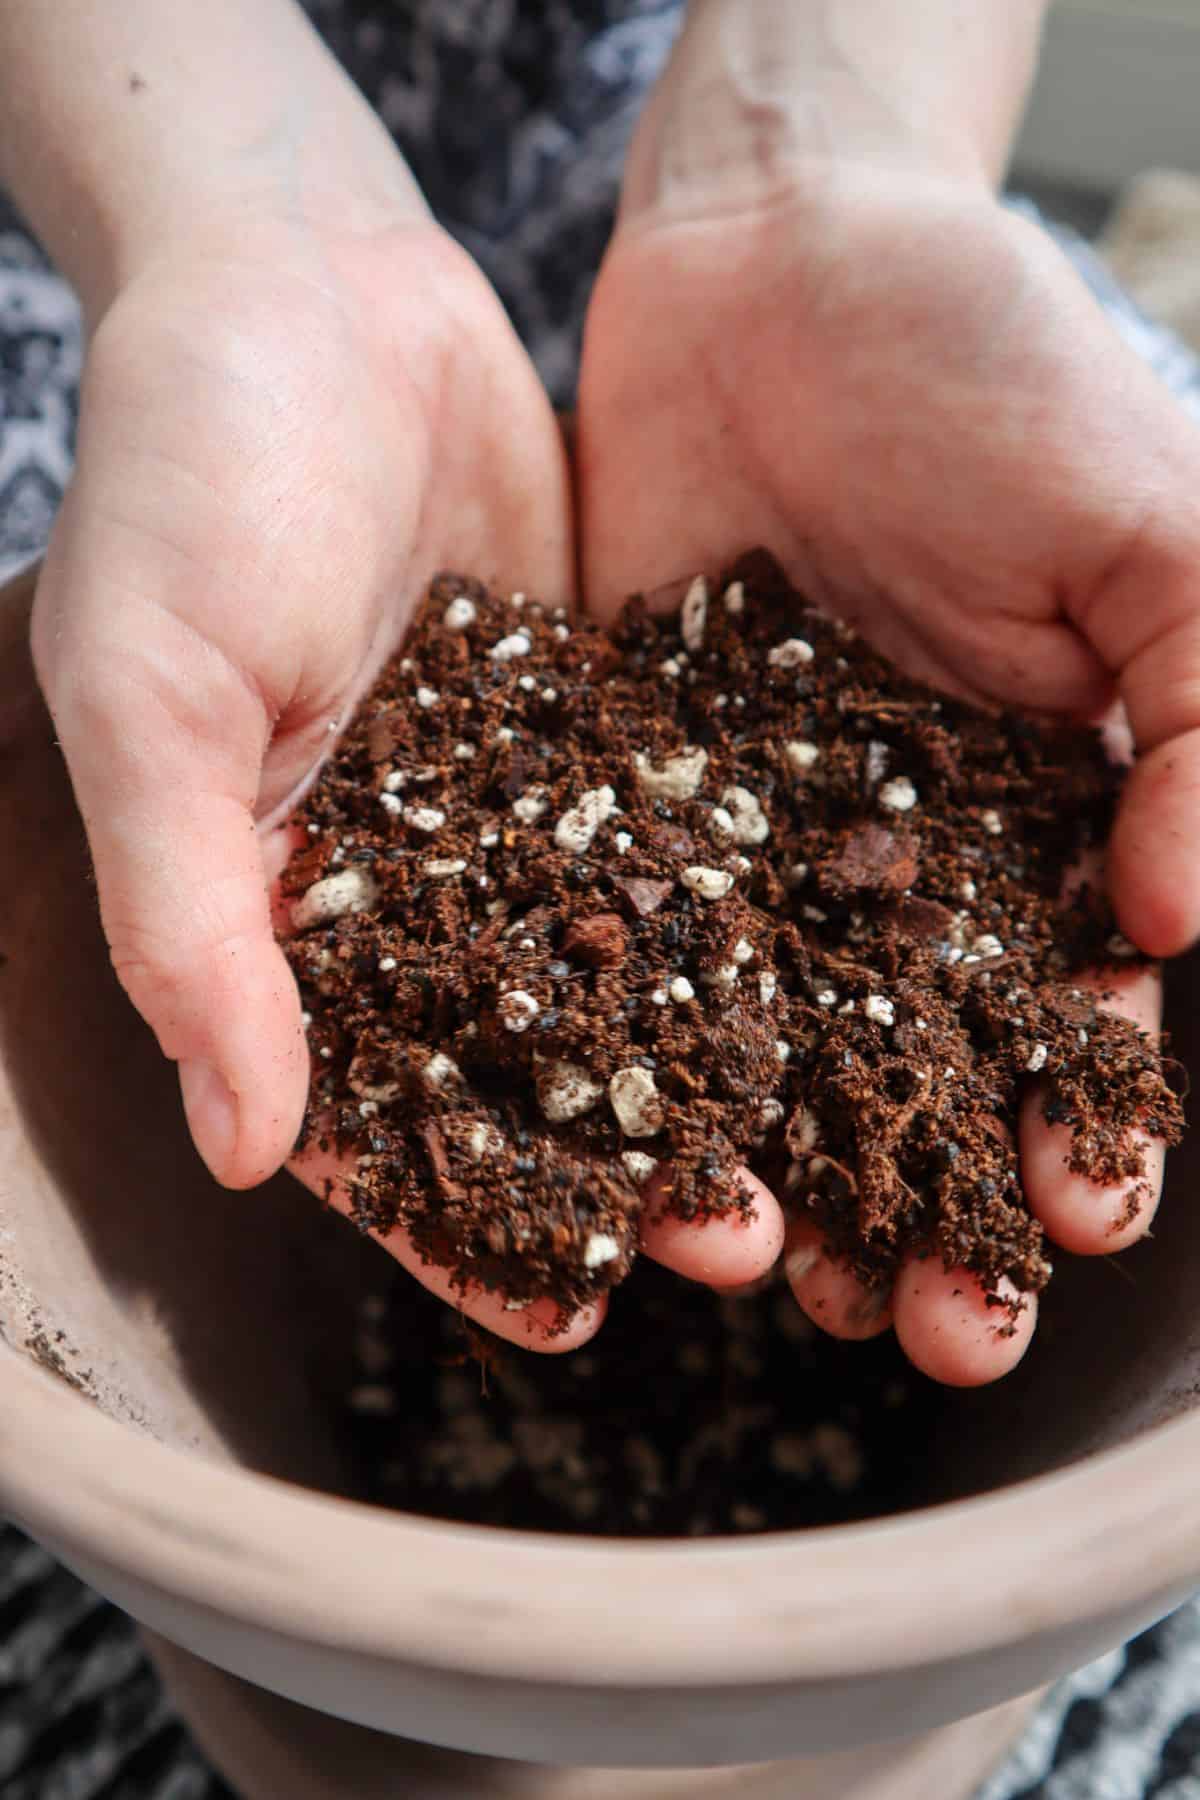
pixel 170 1351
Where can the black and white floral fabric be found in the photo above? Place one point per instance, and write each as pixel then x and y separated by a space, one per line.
pixel 514 115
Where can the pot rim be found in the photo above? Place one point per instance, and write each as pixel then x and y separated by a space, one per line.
pixel 1108 1532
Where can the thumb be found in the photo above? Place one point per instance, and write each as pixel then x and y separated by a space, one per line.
pixel 164 737
pixel 1146 625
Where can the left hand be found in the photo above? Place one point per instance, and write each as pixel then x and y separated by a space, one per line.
pixel 907 394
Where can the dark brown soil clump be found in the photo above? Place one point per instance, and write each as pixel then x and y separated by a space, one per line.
pixel 714 889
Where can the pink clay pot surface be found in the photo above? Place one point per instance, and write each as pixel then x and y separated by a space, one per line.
pixel 193 1473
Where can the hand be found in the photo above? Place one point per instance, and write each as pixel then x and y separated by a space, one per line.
pixel 283 433
pixel 279 444
pixel 908 396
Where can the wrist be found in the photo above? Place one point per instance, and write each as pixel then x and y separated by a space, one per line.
pixel 232 212
pixel 317 179
pixel 139 134
pixel 764 99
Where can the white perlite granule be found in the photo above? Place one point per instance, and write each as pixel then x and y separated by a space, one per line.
pixel 800 755
pixel 693 615
pixel 440 1071
pixel 707 884
pixel 576 829
pixel 565 1091
pixel 518 643
pixel 460 613
pixel 601 1248
pixel 725 977
pixel 677 777
pixel 1036 1060
pixel 681 990
pixel 482 1140
pixel 424 818
pixel 748 821
pixel 351 890
pixel 898 794
pixel 879 1009
pixel 636 1101
pixel 530 805
pixel 517 1010
pixel 877 761
pixel 638 1166
pixel 793 653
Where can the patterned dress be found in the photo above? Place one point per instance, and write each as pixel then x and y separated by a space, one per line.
pixel 514 115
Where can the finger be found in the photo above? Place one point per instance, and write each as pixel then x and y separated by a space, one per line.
pixel 1081 1215
pixel 538 1326
pixel 726 1251
pixel 164 738
pixel 1147 624
pixel 948 1331
pixel 826 1290
pixel 1154 855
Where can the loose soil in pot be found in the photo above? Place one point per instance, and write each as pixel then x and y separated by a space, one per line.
pixel 690 1414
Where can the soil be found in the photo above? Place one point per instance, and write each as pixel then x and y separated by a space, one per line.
pixel 578 909
pixel 690 1415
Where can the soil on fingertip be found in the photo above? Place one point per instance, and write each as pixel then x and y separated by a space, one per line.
pixel 722 887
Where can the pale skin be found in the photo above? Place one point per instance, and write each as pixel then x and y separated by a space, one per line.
pixel 300 399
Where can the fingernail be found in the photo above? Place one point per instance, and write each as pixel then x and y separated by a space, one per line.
pixel 212 1112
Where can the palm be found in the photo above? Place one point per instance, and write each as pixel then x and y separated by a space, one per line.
pixel 914 403
pixel 308 447
pixel 279 441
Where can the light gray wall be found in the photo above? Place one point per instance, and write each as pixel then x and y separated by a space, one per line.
pixel 1118 91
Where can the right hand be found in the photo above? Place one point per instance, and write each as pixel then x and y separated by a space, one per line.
pixel 284 430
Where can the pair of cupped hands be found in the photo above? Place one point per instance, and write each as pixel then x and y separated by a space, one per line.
pixel 868 367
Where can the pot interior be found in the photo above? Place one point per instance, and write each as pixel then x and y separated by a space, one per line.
pixel 222 1323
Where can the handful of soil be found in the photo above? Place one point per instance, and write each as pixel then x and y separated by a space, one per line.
pixel 581 908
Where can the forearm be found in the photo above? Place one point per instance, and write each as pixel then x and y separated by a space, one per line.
pixel 127 123
pixel 758 89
